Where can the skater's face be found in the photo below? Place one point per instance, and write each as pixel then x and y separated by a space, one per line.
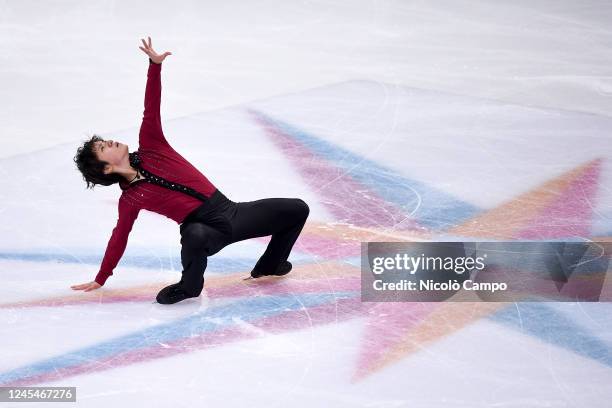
pixel 114 153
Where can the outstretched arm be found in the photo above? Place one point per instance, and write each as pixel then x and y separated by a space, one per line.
pixel 116 246
pixel 151 135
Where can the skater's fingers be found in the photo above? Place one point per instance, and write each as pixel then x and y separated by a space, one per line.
pixel 144 43
pixel 86 286
pixel 150 45
pixel 143 50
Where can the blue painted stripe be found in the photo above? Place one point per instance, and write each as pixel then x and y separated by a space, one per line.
pixel 549 325
pixel 216 265
pixel 436 209
pixel 209 320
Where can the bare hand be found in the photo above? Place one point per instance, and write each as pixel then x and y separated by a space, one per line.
pixel 87 286
pixel 155 57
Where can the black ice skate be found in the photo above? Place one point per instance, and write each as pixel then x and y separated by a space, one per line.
pixel 172 294
pixel 283 269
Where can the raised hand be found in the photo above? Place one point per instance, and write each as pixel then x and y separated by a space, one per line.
pixel 148 49
pixel 87 286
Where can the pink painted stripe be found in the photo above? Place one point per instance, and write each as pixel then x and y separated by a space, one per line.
pixel 71 300
pixel 325 282
pixel 287 286
pixel 326 248
pixel 132 357
pixel 569 215
pixel 347 199
pixel 386 328
pixel 340 310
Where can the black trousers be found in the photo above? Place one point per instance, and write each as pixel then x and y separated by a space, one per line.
pixel 220 221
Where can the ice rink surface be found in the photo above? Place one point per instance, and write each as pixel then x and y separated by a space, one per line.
pixel 378 155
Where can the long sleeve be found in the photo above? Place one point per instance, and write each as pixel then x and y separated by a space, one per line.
pixel 151 135
pixel 118 240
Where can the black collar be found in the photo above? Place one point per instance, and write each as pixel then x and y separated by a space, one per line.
pixel 135 162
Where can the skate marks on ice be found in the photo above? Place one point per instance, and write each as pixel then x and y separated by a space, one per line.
pixel 370 198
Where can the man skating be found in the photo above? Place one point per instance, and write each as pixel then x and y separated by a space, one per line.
pixel 158 179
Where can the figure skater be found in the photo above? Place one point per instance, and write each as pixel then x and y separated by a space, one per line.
pixel 158 179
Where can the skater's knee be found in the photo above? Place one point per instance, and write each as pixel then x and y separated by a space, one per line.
pixel 194 235
pixel 303 208
pixel 203 238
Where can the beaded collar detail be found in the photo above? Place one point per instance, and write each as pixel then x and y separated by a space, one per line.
pixel 135 162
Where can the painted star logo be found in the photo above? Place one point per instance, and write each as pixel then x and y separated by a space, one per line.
pixel 370 203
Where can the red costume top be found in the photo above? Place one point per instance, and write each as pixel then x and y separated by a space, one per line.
pixel 158 157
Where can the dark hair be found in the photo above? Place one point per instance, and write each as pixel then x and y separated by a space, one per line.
pixel 91 167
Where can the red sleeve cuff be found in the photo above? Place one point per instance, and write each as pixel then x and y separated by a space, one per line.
pixel 102 277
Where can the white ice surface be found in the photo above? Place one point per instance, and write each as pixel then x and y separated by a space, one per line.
pixel 481 101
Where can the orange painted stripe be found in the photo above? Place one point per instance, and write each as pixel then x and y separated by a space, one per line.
pixel 441 322
pixel 505 220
